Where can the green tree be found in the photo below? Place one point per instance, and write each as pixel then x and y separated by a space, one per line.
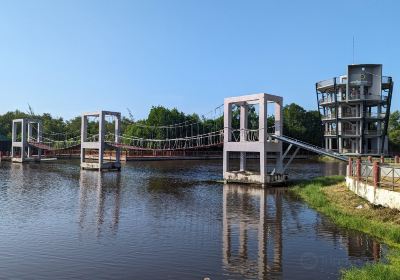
pixel 394 131
pixel 301 124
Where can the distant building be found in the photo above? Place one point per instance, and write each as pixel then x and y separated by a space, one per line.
pixel 355 110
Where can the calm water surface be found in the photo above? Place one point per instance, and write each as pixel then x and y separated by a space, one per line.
pixel 165 220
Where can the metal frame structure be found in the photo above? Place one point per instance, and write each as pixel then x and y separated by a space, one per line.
pixel 355 109
pixel 26 137
pixel 100 145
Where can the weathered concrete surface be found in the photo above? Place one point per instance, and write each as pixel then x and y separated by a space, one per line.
pixel 376 196
pixel 253 178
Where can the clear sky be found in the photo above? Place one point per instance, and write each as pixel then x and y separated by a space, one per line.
pixel 67 57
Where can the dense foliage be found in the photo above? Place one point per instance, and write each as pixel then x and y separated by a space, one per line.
pixel 301 124
pixel 394 131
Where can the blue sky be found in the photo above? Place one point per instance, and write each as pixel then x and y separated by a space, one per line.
pixel 67 57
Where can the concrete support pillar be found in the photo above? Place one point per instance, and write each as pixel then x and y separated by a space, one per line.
pixel 263 167
pixel 242 161
pixel 227 134
pixel 117 132
pixel 228 122
pixel 263 136
pixel 84 127
pixel 23 139
pixel 382 159
pixel 279 131
pixel 243 133
pixel 13 138
pixel 262 120
pixel 29 138
pixel 278 118
pixel 101 139
pixel 39 138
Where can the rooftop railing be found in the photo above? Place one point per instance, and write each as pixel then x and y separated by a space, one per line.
pixel 340 81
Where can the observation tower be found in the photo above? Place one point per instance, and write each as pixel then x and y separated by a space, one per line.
pixel 355 110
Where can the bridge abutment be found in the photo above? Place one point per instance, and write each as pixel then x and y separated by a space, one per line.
pixel 256 141
pixel 99 144
pixel 22 136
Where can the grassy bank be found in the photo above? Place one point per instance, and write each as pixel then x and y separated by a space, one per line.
pixel 329 196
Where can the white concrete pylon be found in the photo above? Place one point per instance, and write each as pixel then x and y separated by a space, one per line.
pixel 24 129
pixel 100 144
pixel 262 144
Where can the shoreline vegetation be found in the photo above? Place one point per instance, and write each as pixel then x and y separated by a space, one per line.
pixel 330 196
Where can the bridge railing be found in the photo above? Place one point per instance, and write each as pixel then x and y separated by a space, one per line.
pixel 198 141
pixel 250 135
pixel 51 144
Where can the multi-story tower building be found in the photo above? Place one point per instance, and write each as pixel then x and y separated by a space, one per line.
pixel 355 110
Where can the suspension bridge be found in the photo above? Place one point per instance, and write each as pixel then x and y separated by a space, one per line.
pixel 101 131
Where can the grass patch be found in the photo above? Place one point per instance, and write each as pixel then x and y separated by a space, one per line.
pixel 329 196
pixel 321 158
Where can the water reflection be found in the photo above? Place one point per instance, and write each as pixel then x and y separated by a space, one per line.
pixel 155 221
pixel 357 245
pixel 248 211
pixel 256 222
pixel 99 200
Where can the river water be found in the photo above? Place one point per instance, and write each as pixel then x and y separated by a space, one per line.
pixel 166 220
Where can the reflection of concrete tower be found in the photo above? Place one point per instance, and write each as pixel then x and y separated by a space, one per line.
pixel 105 188
pixel 362 246
pixel 245 211
pixel 355 110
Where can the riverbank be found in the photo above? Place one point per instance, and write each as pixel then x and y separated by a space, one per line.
pixel 330 196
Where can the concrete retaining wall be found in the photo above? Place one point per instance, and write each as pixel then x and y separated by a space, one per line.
pixel 376 196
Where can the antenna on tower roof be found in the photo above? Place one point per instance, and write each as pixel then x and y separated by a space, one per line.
pixel 353 49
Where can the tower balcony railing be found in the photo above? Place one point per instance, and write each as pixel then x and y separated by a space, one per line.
pixel 340 81
pixel 349 115
pixel 326 100
pixel 358 96
pixel 375 115
pixel 373 132
pixel 351 97
pixel 349 150
pixel 326 83
pixel 350 132
pixel 353 132
pixel 332 132
pixel 328 117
